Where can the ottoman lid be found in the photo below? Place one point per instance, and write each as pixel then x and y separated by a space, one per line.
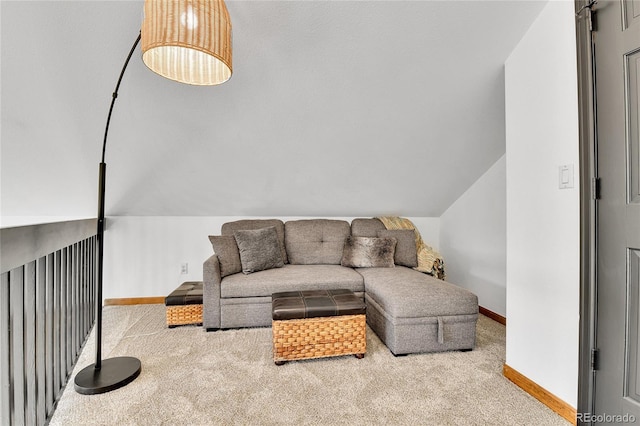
pixel 189 293
pixel 315 303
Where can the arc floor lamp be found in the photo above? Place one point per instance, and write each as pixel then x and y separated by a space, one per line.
pixel 183 40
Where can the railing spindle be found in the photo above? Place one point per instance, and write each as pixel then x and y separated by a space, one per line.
pixel 16 329
pixel 49 334
pixel 30 371
pixel 57 285
pixel 5 354
pixel 64 291
pixel 41 344
pixel 68 318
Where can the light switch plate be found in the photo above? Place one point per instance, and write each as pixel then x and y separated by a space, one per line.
pixel 565 176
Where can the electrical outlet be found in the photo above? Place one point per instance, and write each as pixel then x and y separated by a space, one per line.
pixel 184 268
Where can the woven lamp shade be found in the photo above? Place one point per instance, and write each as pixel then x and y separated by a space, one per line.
pixel 188 40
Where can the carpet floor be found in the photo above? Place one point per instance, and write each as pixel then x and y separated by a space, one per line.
pixel 228 377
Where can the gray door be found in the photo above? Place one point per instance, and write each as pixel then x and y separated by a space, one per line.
pixel 617 77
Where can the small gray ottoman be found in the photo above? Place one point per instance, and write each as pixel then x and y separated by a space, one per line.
pixel 413 312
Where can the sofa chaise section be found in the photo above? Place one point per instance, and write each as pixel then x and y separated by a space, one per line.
pixel 413 312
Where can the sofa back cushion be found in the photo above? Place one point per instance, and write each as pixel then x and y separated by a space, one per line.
pixel 316 241
pixel 250 224
pixel 366 227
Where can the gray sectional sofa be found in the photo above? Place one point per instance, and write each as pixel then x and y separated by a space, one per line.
pixel 410 311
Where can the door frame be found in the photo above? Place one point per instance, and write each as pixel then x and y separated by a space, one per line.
pixel 588 207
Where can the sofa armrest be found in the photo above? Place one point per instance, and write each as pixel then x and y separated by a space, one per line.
pixel 211 293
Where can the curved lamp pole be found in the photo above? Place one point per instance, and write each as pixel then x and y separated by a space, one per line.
pixel 113 373
pixel 183 40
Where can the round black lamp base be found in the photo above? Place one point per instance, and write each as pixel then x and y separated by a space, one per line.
pixel 113 374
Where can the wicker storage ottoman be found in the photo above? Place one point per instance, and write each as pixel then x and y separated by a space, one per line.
pixel 184 304
pixel 317 324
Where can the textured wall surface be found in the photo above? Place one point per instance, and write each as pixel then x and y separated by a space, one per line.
pixel 543 234
pixel 473 239
pixel 334 109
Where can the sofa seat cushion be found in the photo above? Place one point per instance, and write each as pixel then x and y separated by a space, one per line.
pixel 291 277
pixel 405 293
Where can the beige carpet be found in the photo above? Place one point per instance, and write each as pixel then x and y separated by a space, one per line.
pixel 228 377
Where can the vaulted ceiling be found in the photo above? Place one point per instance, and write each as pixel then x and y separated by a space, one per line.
pixel 335 108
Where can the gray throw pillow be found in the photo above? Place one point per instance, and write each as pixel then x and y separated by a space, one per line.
pixel 406 252
pixel 225 247
pixel 259 249
pixel 366 252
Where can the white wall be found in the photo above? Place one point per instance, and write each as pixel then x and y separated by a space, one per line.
pixel 143 254
pixel 290 133
pixel 473 239
pixel 543 220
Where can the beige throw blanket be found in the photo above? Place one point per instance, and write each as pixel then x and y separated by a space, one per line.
pixel 429 260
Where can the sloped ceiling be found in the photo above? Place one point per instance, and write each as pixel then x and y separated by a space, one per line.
pixel 335 108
